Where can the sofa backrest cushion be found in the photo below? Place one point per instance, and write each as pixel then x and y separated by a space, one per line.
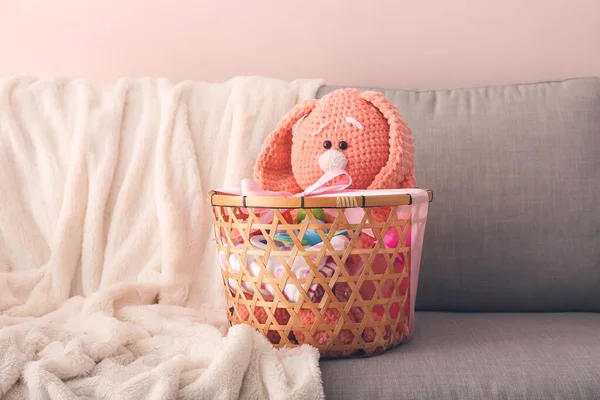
pixel 515 170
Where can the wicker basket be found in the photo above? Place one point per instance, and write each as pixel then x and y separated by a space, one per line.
pixel 353 297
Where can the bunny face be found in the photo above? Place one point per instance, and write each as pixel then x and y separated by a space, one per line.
pixel 360 132
pixel 341 133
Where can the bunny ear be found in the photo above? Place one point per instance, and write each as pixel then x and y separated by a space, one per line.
pixel 399 169
pixel 273 168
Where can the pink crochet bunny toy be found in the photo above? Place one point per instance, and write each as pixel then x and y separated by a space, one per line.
pixel 359 131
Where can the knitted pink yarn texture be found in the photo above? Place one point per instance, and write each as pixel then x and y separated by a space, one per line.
pixel 359 131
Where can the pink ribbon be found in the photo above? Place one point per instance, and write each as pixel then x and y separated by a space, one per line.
pixel 250 188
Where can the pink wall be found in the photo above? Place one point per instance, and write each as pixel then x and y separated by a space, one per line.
pixel 375 42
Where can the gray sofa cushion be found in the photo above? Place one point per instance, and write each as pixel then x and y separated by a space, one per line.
pixel 515 222
pixel 479 356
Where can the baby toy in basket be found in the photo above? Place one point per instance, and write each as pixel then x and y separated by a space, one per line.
pixel 360 132
pixel 323 266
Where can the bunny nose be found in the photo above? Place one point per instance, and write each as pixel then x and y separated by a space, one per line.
pixel 332 159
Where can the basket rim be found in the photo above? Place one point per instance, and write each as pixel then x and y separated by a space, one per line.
pixel 227 200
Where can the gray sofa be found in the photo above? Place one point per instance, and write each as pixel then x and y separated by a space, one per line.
pixel 509 288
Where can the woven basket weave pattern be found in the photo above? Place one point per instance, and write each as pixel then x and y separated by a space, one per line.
pixel 370 312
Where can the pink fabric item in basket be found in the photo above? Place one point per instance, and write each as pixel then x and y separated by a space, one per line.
pixel 299 267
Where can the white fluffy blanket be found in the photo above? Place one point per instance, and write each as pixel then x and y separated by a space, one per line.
pixel 109 286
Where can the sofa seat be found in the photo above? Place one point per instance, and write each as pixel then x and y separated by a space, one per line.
pixel 479 356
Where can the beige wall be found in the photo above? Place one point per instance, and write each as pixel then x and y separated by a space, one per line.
pixel 368 42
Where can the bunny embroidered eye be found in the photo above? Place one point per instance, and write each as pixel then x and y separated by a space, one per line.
pixel 323 126
pixel 355 122
pixel 343 145
pixel 327 144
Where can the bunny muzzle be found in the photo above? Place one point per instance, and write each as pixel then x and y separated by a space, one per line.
pixel 332 160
